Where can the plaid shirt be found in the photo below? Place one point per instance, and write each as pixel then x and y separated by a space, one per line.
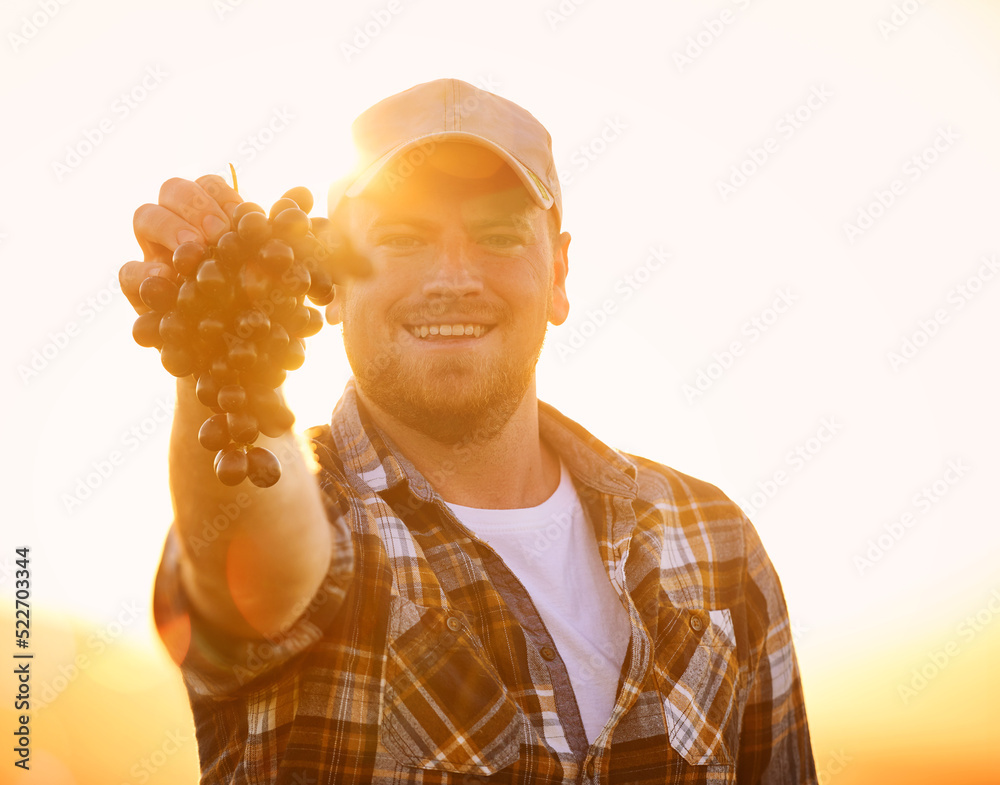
pixel 421 659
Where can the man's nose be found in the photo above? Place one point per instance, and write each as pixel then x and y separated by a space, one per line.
pixel 454 273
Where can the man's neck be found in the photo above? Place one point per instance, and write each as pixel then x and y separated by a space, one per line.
pixel 513 469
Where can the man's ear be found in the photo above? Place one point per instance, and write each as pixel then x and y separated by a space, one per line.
pixel 559 304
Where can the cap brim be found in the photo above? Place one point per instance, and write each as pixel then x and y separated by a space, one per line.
pixel 534 186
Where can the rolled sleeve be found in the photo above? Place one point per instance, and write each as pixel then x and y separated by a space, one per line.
pixel 216 664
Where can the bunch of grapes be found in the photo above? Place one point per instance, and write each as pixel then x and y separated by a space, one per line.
pixel 237 320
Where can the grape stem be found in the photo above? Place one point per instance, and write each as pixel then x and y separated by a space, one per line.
pixel 236 186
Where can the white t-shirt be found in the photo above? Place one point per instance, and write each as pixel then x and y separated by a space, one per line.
pixel 552 549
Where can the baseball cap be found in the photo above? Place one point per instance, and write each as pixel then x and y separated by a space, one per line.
pixel 452 110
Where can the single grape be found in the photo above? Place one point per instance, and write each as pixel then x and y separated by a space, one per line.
pixel 211 328
pixel 212 281
pixel 207 390
pixel 301 196
pixel 214 433
pixel 283 305
pixel 231 466
pixel 242 354
pixel 178 360
pixel 280 206
pixel 290 223
pixel 298 320
pixel 158 293
pixel 294 356
pixel 321 288
pixel 296 280
pixel 187 257
pixel 276 256
pixel 274 420
pixel 176 328
pixel 254 228
pixel 232 398
pixel 263 467
pixel 308 250
pixel 243 208
pixel 146 330
pixel 229 251
pixel 190 300
pixel 276 340
pixel 223 373
pixel 242 427
pixel 314 325
pixel 255 282
pixel 252 324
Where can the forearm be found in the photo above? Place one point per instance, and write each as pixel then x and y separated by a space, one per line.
pixel 252 557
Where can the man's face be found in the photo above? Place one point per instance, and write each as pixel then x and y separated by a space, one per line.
pixel 445 333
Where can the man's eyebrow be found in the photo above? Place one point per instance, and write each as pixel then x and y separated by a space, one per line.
pixel 515 219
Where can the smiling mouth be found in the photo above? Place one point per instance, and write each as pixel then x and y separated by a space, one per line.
pixel 448 330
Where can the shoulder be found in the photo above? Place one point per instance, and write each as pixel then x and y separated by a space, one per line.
pixel 681 493
pixel 695 511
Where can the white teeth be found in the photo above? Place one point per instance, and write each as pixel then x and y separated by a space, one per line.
pixel 424 330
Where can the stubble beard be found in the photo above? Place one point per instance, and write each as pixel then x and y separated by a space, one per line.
pixel 452 400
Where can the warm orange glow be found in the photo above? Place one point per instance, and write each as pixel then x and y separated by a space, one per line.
pixel 176 636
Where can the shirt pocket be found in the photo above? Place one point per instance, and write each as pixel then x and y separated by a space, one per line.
pixel 697 669
pixel 444 706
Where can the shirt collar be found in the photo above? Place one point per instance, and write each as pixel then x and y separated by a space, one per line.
pixel 371 454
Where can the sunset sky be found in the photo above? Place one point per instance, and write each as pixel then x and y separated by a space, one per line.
pixel 784 279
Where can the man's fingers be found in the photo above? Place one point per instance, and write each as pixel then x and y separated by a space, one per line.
pixel 159 231
pixel 197 207
pixel 220 191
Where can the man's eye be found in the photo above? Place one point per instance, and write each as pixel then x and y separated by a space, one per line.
pixel 400 241
pixel 501 240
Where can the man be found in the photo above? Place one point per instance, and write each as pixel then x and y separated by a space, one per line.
pixel 462 585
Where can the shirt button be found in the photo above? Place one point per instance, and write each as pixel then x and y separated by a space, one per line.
pixel 548 653
pixel 454 624
pixel 590 768
pixel 696 624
